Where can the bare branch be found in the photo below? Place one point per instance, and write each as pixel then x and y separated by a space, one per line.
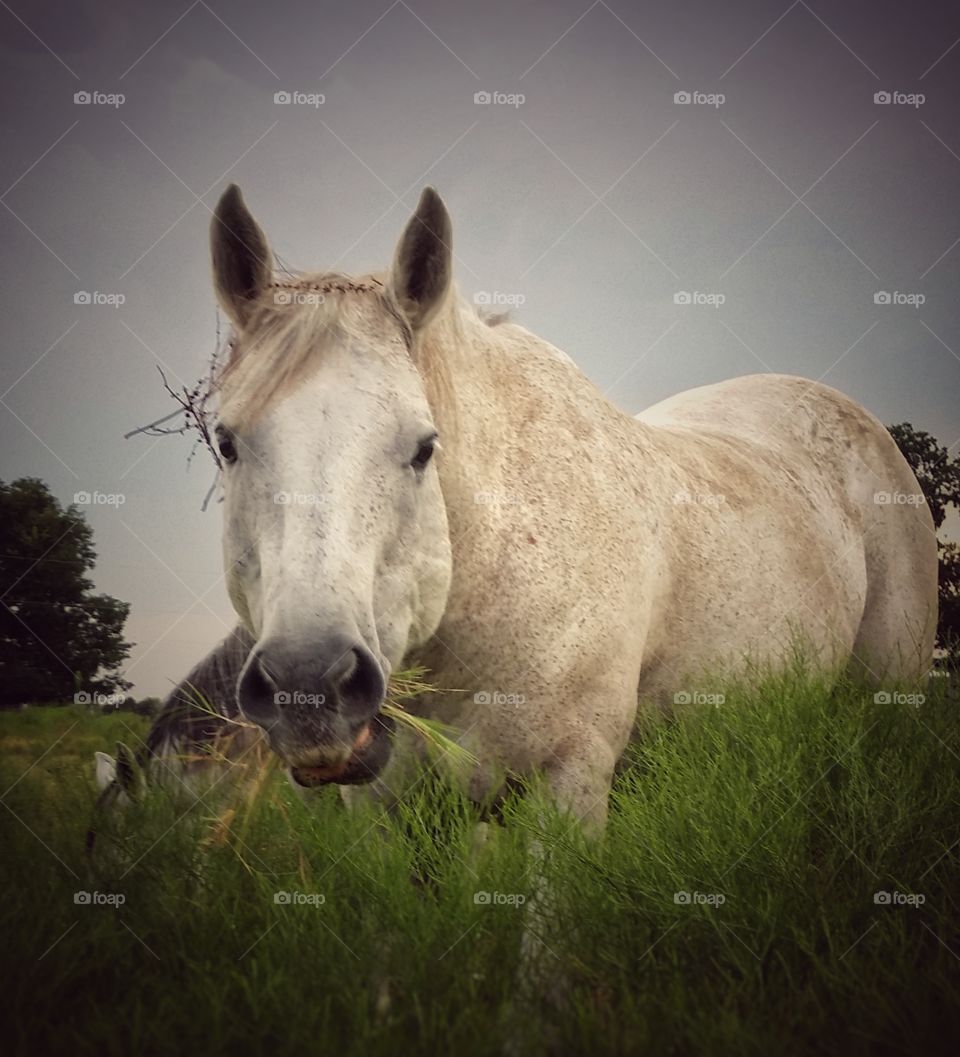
pixel 195 412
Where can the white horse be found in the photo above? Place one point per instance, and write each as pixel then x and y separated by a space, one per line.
pixel 405 483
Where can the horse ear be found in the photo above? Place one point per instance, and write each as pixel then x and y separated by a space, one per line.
pixel 241 256
pixel 106 769
pixel 422 267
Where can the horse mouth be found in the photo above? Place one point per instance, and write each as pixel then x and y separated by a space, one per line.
pixel 369 752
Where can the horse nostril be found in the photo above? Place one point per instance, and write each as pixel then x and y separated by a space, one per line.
pixel 361 689
pixel 257 693
pixel 340 674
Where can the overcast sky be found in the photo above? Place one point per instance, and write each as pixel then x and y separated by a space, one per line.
pixel 583 192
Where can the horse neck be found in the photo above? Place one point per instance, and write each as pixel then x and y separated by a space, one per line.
pixel 489 383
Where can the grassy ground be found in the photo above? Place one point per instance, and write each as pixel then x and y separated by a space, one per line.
pixel 732 907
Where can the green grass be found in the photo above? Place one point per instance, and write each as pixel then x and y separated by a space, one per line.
pixel 793 803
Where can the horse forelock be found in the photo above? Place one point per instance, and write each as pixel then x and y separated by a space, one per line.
pixel 297 317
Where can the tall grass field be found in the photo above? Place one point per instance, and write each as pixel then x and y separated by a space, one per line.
pixel 779 876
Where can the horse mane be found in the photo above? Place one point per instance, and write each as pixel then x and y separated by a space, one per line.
pixel 297 317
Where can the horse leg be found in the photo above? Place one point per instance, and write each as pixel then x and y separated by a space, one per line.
pixel 896 635
pixel 578 778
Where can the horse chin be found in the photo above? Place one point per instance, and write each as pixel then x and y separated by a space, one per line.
pixel 369 755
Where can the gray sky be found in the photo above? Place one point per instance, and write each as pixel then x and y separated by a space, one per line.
pixel 591 203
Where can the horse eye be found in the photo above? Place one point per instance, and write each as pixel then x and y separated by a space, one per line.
pixel 424 454
pixel 225 445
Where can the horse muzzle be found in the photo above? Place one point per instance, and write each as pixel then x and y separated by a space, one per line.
pixel 319 704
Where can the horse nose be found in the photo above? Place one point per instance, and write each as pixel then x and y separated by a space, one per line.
pixel 339 674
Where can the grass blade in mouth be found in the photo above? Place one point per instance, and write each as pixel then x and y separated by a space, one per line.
pixel 439 737
pixel 404 685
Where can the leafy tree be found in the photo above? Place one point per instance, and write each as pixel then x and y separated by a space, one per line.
pixel 56 636
pixel 948 628
pixel 938 475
